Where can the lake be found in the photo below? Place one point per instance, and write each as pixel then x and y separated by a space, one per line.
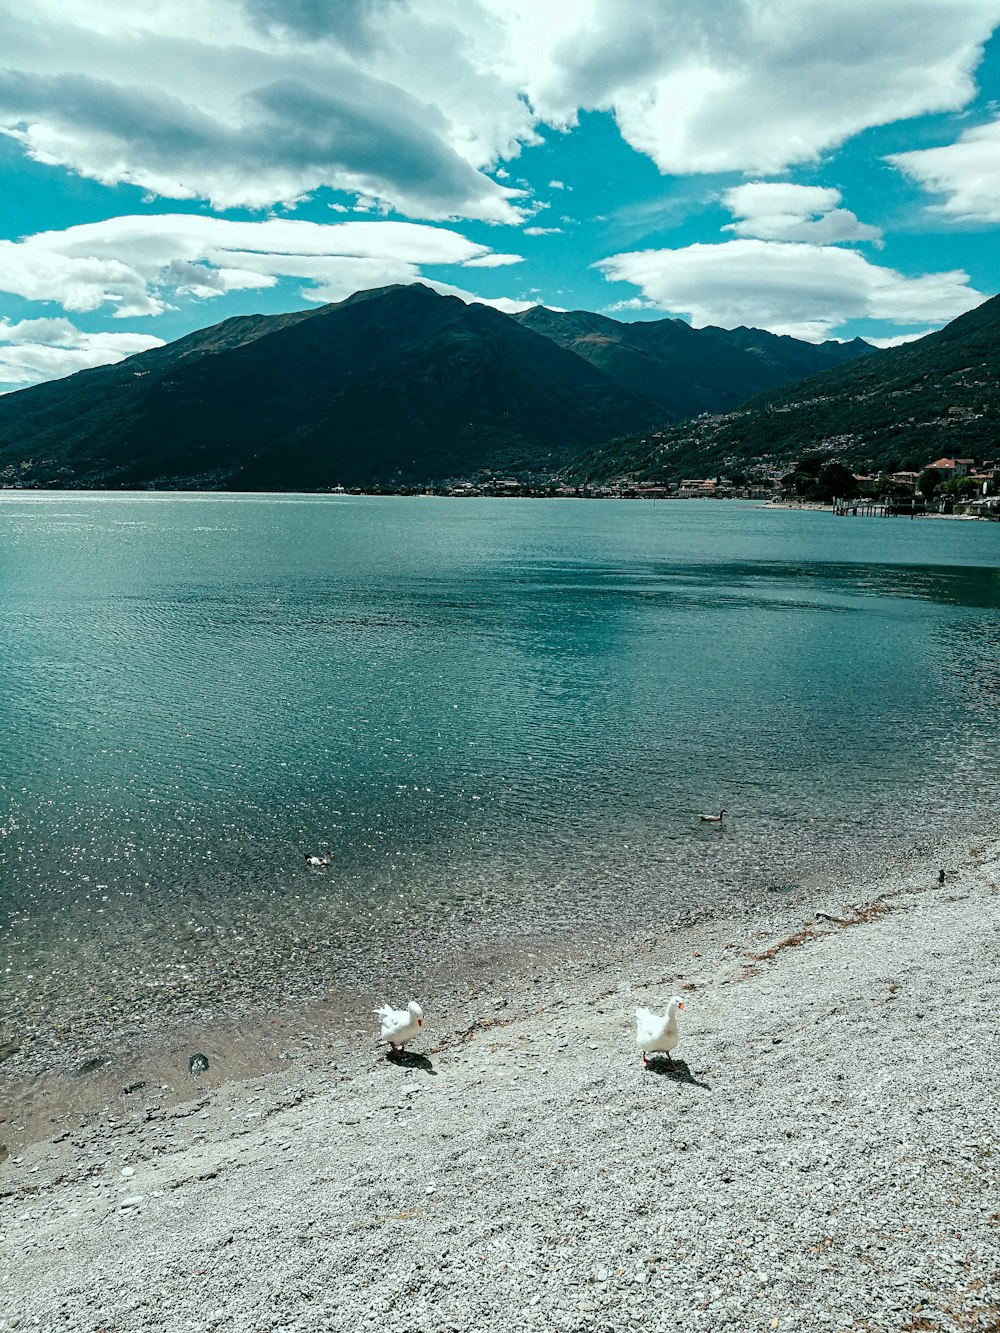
pixel 503 718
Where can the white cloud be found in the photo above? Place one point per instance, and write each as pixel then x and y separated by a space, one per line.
pixel 35 350
pixel 967 172
pixel 631 303
pixel 412 105
pixel 557 185
pixel 243 118
pixel 898 340
pixel 508 304
pixel 137 264
pixel 754 85
pixel 778 211
pixel 803 290
pixel 493 261
pixel 543 231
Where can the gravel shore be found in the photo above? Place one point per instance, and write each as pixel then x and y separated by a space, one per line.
pixel 823 1155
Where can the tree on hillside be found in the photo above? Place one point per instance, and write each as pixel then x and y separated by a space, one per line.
pixel 802 480
pixel 959 486
pixel 928 482
pixel 835 480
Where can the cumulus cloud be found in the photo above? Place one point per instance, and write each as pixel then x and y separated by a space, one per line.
pixel 493 261
pixel 241 123
pixel 803 290
pixel 413 105
pixel 35 350
pixel 967 172
pixel 351 23
pixel 778 211
pixel 135 265
pixel 756 85
pixel 899 339
pixel 630 303
pixel 543 231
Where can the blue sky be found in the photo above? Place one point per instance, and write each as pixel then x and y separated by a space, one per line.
pixel 818 170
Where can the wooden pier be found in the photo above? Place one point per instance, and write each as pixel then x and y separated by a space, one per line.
pixel 868 508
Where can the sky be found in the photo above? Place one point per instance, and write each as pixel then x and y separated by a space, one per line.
pixel 824 170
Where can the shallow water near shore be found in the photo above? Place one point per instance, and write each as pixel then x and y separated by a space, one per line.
pixel 502 717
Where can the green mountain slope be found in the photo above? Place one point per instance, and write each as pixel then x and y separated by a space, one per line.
pixel 684 370
pixel 392 386
pixel 898 408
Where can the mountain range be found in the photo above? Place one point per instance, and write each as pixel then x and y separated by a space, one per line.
pixel 686 371
pixel 897 409
pixel 393 387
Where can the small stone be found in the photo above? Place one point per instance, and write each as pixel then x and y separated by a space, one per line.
pixel 128 1171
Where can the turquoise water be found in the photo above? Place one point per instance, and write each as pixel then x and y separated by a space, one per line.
pixel 502 717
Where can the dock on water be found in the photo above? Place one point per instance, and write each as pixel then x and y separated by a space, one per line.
pixel 871 508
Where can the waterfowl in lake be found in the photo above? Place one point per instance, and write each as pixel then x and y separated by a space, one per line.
pixel 658 1032
pixel 712 819
pixel 400 1026
pixel 315 862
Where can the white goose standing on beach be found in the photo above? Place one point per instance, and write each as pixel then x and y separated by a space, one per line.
pixel 400 1026
pixel 656 1033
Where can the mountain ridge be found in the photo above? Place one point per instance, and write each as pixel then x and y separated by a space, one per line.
pixel 897 409
pixel 401 386
pixel 686 370
pixel 393 385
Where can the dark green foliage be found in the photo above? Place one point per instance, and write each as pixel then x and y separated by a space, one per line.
pixel 959 487
pixel 389 388
pixel 928 482
pixel 834 481
pixel 684 370
pixel 909 404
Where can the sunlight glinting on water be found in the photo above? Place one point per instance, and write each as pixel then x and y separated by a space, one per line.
pixel 503 717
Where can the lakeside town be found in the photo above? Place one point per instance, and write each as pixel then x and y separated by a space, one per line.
pixel 945 486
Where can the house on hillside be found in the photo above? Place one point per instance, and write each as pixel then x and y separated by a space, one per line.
pixel 987 478
pixel 953 467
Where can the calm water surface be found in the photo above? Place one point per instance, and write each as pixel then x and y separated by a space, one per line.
pixel 496 714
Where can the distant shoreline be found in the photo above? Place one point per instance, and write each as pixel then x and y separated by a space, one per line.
pixel 743 501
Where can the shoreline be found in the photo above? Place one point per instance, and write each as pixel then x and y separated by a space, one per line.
pixel 119 1046
pixel 832 1073
pixel 743 501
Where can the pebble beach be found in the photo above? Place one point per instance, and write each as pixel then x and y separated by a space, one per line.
pixel 822 1155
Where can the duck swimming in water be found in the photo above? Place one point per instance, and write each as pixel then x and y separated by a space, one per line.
pixel 316 862
pixel 712 819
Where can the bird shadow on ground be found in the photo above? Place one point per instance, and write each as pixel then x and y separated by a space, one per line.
pixel 411 1060
pixel 678 1072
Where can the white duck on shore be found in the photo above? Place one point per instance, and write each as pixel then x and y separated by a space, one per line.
pixel 400 1026
pixel 656 1033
